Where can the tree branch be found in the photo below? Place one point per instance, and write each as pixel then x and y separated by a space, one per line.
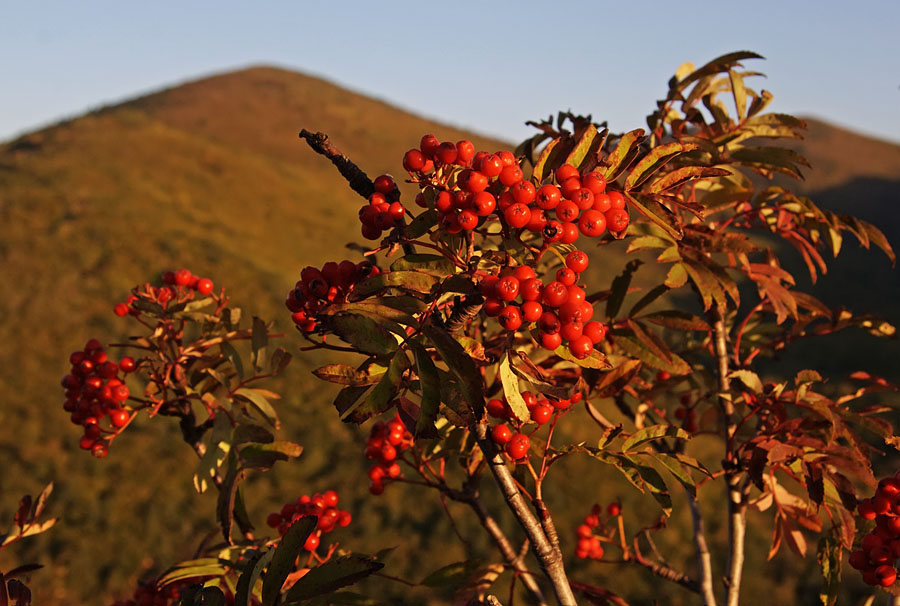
pixel 359 181
pixel 548 557
pixel 704 560
pixel 736 515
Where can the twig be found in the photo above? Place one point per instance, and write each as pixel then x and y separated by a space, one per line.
pixel 357 179
pixel 704 560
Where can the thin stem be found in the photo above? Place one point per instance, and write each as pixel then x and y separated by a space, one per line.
pixel 548 557
pixel 704 560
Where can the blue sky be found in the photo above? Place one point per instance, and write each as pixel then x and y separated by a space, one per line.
pixel 489 66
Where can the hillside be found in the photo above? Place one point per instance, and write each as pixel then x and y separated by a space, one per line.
pixel 210 175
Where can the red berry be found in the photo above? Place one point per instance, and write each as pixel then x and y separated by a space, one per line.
pixel 508 288
pixel 523 192
pixel 613 509
pixel 542 413
pixel 555 294
pixel 121 309
pixel 592 223
pixel 886 575
pixel 602 203
pixel 511 317
pixel 501 434
pixel 581 347
pixel 484 203
pixel 566 276
pixel 531 289
pixel 517 215
pixel 548 196
pixel 273 520
pixel 567 211
pixel 468 220
pixel 617 220
pixel 119 418
pixel 565 172
pixel 518 445
pixel 577 261
pixel 584 198
pixel 182 277
pixel 429 145
pixel 99 450
pixel 510 175
pixel 594 182
pixel 446 153
pixel 312 541
pixel 204 286
pixel 616 199
pixel 491 166
pixel 532 311
pixel 465 151
pixel 496 408
pixel 570 233
pixel 551 341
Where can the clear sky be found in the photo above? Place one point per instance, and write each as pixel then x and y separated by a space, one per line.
pixel 487 65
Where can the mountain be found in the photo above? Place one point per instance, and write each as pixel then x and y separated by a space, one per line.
pixel 210 175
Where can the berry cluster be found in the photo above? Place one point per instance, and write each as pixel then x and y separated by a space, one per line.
pixel 383 211
pixel 469 188
pixel 179 286
pixel 514 442
pixel 318 288
pixel 324 506
pixel 95 390
pixel 386 441
pixel 589 545
pixel 879 549
pixel 558 309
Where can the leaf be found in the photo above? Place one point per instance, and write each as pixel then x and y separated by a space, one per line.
pixel 652 433
pixel 656 292
pixel 649 340
pixel 41 502
pixel 632 347
pixel 550 157
pixel 379 312
pixel 364 334
pixel 461 366
pixel 217 450
pixel 192 569
pixel 717 65
pixel 625 150
pixel 680 176
pixel 344 374
pixel 415 281
pixel 279 361
pixel 259 339
pixel 612 382
pixel 437 265
pixel 748 378
pixel 260 402
pixel 658 157
pixel 596 359
pixel 289 547
pixel 232 354
pixel 347 397
pixel 778 159
pixel 590 140
pixel 263 456
pixel 828 555
pixel 379 399
pixel 653 212
pixel 332 575
pixel 421 224
pixel 739 92
pixel 511 389
pixel 253 568
pixel 227 493
pixel 677 320
pixel 451 575
pixel 619 288
pixel 677 276
pixel 430 382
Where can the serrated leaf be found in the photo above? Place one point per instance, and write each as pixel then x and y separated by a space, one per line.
pixel 829 552
pixel 344 374
pixel 289 547
pixel 677 320
pixel 415 281
pixel 686 174
pixel 259 401
pixel 610 383
pixel 595 359
pixel 192 569
pixel 655 213
pixel 347 397
pixel 430 383
pixel 332 575
pixel 657 157
pixel 551 156
pixel 620 157
pixel 651 296
pixel 382 314
pixel 364 333
pixel 437 265
pixel 263 456
pixel 461 366
pixel 511 389
pixel 382 394
pixel 632 347
pixel 589 142
pixel 652 433
pixel 234 357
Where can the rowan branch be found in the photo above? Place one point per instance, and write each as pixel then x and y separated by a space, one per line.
pixel 357 179
pixel 549 558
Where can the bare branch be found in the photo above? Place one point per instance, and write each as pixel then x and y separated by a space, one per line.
pixel 359 181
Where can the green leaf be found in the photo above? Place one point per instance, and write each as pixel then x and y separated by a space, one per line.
pixel 676 468
pixel 634 348
pixel 461 366
pixel 289 547
pixel 657 158
pixel 260 402
pixel 248 579
pixel 595 359
pixel 619 288
pixel 259 339
pixel 550 157
pixel 415 281
pixel 612 382
pixel 740 93
pixel 421 224
pixel 430 383
pixel 381 314
pixel 365 334
pixel 217 450
pixel 655 213
pixel 344 374
pixel 748 378
pixel 586 148
pixel 623 154
pixel 347 397
pixel 828 554
pixel 677 276
pixel 379 399
pixel 644 242
pixel 452 575
pixel 778 159
pixel 651 296
pixel 652 433
pixel 192 569
pixel 719 64
pixel 653 482
pixel 511 389
pixel 437 265
pixel 677 320
pixel 227 494
pixel 686 174
pixel 263 456
pixel 332 575
pixel 232 354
